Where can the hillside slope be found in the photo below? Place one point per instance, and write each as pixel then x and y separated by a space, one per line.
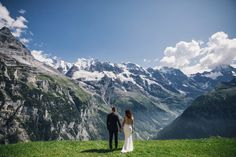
pixel 39 106
pixel 213 114
pixel 37 102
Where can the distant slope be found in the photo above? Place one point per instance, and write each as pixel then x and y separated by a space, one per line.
pixel 213 114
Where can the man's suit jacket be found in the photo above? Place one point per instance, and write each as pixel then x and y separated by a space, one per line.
pixel 113 122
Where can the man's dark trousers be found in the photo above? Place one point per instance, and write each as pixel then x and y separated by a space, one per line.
pixel 112 125
pixel 111 134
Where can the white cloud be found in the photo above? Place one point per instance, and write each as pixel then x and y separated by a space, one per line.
pixel 180 54
pixel 220 50
pixel 24 41
pixel 192 57
pixel 22 11
pixel 19 22
pixel 5 18
pixel 17 32
pixel 168 60
pixel 18 25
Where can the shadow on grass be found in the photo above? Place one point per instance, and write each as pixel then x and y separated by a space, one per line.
pixel 99 150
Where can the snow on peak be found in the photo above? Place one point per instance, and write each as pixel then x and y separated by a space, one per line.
pixel 83 63
pixel 234 73
pixel 38 55
pixel 84 72
pixel 87 75
pixel 54 62
pixel 213 75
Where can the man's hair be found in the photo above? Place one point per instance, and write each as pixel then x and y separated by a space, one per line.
pixel 113 109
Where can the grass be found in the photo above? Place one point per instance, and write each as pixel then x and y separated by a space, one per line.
pixel 212 147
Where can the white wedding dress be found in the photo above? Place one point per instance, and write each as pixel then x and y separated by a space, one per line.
pixel 128 145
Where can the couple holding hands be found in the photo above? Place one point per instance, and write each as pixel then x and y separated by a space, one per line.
pixel 113 123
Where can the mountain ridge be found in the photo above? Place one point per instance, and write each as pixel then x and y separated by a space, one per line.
pixel 95 69
pixel 88 90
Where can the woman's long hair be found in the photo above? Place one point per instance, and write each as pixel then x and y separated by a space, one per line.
pixel 128 114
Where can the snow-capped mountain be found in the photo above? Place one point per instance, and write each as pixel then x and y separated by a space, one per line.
pixel 168 91
pixel 166 85
pixel 168 79
pixel 158 83
pixel 171 79
pixel 94 70
pixel 208 80
pixel 34 88
pixel 53 62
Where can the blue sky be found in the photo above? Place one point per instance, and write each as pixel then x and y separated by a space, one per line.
pixel 121 30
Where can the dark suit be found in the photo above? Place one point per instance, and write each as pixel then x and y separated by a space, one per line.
pixel 112 125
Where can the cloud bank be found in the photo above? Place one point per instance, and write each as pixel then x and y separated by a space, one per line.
pixel 197 56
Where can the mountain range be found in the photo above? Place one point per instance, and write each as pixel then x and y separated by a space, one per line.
pixel 46 98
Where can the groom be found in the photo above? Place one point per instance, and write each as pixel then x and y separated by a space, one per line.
pixel 112 126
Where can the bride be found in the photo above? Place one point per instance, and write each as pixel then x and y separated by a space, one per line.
pixel 128 126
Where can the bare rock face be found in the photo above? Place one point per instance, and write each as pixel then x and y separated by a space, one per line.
pixel 38 103
pixel 10 45
pixel 36 106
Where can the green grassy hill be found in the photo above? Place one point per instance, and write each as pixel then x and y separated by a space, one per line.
pixel 212 147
